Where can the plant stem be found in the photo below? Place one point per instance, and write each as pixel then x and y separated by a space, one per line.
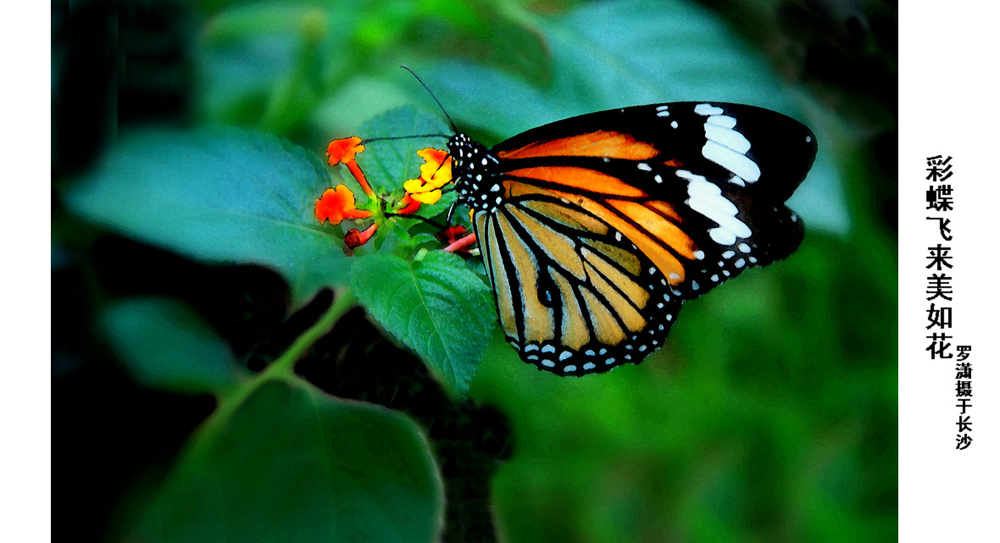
pixel 282 368
pixel 285 364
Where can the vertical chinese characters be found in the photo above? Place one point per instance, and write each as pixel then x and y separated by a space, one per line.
pixel 940 291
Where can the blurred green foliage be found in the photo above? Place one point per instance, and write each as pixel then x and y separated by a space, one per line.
pixel 770 415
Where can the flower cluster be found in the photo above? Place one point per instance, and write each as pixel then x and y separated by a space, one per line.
pixel 338 203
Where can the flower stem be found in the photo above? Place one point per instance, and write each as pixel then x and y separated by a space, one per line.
pixel 285 364
pixel 283 368
pixel 461 243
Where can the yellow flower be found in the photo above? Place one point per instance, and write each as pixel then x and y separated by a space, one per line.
pixel 435 173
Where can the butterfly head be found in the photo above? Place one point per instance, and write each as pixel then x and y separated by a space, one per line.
pixel 465 153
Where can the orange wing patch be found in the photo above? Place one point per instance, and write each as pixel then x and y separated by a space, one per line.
pixel 656 225
pixel 665 209
pixel 573 327
pixel 654 218
pixel 600 143
pixel 501 283
pixel 538 319
pixel 580 178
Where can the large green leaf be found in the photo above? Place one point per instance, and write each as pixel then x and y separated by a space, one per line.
pixel 165 345
pixel 290 463
pixel 218 195
pixel 436 306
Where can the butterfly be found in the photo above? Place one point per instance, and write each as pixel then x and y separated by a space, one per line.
pixel 594 230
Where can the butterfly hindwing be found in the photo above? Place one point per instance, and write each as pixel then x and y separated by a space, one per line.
pixel 573 295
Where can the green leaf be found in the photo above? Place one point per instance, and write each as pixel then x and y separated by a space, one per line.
pixel 290 463
pixel 165 345
pixel 435 306
pixel 218 195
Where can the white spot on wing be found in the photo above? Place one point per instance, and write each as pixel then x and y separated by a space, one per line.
pixel 722 236
pixel 731 160
pixel 722 120
pixel 707 109
pixel 726 136
pixel 707 199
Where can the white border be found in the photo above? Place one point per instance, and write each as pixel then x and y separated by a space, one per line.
pixel 25 208
pixel 948 105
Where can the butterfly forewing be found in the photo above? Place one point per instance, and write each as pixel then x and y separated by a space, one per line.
pixel 594 229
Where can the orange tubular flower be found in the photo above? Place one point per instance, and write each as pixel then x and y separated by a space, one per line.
pixel 457 238
pixel 337 204
pixel 409 205
pixel 356 239
pixel 435 173
pixel 343 151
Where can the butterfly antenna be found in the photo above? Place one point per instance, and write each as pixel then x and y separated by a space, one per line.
pixel 428 89
pixel 394 138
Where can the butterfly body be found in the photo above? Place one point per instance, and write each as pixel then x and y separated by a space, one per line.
pixel 595 229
